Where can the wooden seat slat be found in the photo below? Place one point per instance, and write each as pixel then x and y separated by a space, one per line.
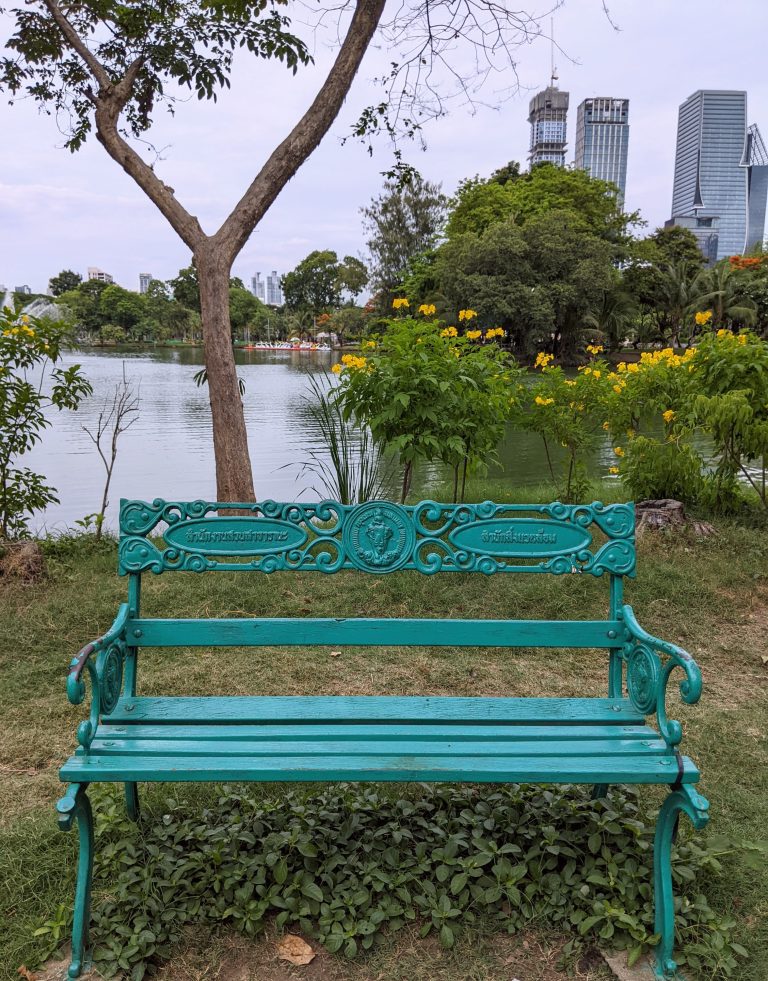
pixel 348 732
pixel 585 748
pixel 385 767
pixel 406 709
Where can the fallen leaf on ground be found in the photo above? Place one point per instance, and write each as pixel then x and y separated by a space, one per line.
pixel 335 653
pixel 25 972
pixel 294 950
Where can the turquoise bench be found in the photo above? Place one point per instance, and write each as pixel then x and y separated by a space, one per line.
pixel 130 738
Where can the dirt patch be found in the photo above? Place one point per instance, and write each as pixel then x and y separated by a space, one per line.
pixel 496 957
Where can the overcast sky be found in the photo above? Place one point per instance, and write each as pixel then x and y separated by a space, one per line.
pixel 59 210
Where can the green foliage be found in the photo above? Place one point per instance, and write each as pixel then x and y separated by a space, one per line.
pixel 351 469
pixel 538 282
pixel 480 204
pixel 568 413
pixel 66 280
pixel 426 392
pixel 29 350
pixel 349 866
pixel 166 46
pixel 316 285
pixel 655 469
pixel 404 221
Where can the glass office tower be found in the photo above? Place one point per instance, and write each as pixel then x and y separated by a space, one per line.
pixel 547 114
pixel 602 140
pixel 719 182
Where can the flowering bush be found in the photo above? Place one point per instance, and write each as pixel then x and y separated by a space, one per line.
pixel 568 412
pixel 425 391
pixel 28 349
pixel 718 389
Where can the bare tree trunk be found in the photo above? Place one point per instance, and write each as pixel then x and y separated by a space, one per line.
pixel 234 477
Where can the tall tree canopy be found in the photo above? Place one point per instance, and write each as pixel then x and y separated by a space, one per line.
pixel 402 222
pixel 108 68
pixel 318 283
pixel 66 280
pixel 480 203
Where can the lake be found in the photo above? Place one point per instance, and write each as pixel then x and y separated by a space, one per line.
pixel 168 452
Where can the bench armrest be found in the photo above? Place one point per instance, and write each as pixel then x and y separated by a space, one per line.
pixel 105 671
pixel 648 674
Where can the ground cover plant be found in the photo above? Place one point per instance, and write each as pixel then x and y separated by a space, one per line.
pixel 711 596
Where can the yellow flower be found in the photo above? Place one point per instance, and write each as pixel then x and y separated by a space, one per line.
pixel 24 318
pixel 352 361
pixel 722 332
pixel 542 401
pixel 336 369
pixel 613 469
pixel 633 368
pixel 542 359
pixel 618 389
pixel 631 434
pixel 366 345
pixel 596 374
pixel 428 309
pixel 473 334
pixel 668 416
pixel 606 425
pixel 595 348
pixel 618 451
pixel 703 317
pixel 569 381
pixel 496 332
pixel 399 302
pixel 448 332
pixel 467 314
pixel 622 366
pixel 741 338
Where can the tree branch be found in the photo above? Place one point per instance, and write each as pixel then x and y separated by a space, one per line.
pixel 186 226
pixel 305 136
pixel 77 44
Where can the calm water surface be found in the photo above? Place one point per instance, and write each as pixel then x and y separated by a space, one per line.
pixel 168 452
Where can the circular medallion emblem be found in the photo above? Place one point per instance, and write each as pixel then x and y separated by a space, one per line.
pixel 111 678
pixel 643 679
pixel 379 537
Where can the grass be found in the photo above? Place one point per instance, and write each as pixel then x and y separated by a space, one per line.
pixel 710 595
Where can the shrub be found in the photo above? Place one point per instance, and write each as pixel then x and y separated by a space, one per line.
pixel 348 865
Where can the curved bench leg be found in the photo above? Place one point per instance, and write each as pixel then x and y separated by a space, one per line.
pixel 684 800
pixel 600 790
pixel 75 806
pixel 132 801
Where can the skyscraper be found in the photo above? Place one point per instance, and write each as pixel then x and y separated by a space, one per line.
pixel 144 280
pixel 602 140
pixel 547 114
pixel 720 181
pixel 274 290
pixel 257 287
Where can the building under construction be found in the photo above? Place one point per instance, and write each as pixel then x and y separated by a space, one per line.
pixel 547 114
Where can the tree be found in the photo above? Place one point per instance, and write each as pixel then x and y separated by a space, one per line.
pixel 313 286
pixel 66 280
pixel 479 204
pixel 613 316
pixel 186 288
pixel 401 223
pixel 677 244
pixel 109 68
pixel 121 307
pixel 721 289
pixel 537 281
pixel 353 275
pixel 30 350
pixel 245 309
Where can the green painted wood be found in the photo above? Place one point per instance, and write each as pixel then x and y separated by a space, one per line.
pixel 332 732
pixel 387 767
pixel 411 709
pixel 328 749
pixel 285 632
pixel 377 537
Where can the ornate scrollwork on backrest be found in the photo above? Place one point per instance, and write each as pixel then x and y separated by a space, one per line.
pixel 377 537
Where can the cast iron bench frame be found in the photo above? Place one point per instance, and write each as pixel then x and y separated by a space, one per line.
pixel 129 738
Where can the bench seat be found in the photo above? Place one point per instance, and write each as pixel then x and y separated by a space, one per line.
pixel 303 738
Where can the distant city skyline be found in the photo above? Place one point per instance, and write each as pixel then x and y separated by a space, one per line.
pixel 61 210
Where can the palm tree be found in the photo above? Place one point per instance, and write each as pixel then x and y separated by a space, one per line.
pixel 721 292
pixel 680 292
pixel 613 316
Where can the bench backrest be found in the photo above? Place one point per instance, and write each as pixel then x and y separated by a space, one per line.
pixel 377 537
